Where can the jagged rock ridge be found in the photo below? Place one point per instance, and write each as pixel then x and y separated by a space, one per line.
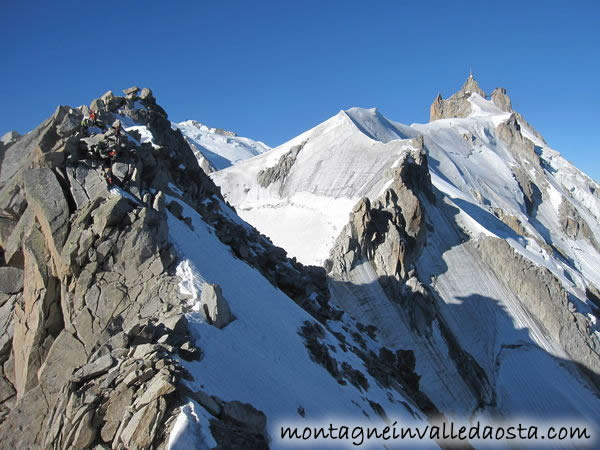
pixel 99 345
pixel 93 321
pixel 98 320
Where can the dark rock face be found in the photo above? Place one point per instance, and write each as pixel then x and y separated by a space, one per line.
pixel 532 195
pixel 313 333
pixel 281 170
pixel 546 298
pixel 11 280
pixel 232 424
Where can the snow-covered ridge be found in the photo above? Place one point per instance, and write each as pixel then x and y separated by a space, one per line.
pixel 372 124
pixel 238 361
pixel 219 148
pixel 461 284
pixel 489 185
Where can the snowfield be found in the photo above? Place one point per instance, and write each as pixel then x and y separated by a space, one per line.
pixel 351 156
pixel 220 148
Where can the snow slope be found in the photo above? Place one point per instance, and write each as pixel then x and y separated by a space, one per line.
pixel 259 358
pixel 220 148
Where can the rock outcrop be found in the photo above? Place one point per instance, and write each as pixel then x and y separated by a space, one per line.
pixel 281 170
pixel 214 306
pixel 233 424
pixel 456 105
pixel 390 230
pixel 574 225
pixel 501 99
pixel 389 233
pixel 91 316
pixel 528 171
pixel 547 300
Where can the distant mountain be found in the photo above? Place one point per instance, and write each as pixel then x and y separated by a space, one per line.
pixel 217 149
pixel 466 240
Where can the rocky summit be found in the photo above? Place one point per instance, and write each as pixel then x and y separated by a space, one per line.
pixel 94 326
pixel 365 269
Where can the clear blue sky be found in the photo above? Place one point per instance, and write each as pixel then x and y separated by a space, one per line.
pixel 270 70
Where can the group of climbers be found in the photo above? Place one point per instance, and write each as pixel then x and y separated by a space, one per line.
pixel 91 120
pixel 108 145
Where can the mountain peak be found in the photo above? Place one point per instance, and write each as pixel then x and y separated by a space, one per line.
pixel 501 99
pixel 471 86
pixel 217 148
pixel 132 294
pixel 374 125
pixel 459 104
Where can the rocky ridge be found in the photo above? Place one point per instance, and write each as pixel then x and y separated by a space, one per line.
pixel 389 233
pixel 390 230
pixel 95 332
pixel 93 322
pixel 96 321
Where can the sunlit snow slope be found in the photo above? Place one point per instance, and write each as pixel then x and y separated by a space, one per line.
pixel 337 165
pixel 217 149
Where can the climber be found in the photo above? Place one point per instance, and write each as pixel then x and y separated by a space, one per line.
pixel 90 120
pixel 107 152
pixel 108 175
pixel 85 123
pixel 115 132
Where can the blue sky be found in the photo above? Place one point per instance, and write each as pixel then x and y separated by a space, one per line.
pixel 270 70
